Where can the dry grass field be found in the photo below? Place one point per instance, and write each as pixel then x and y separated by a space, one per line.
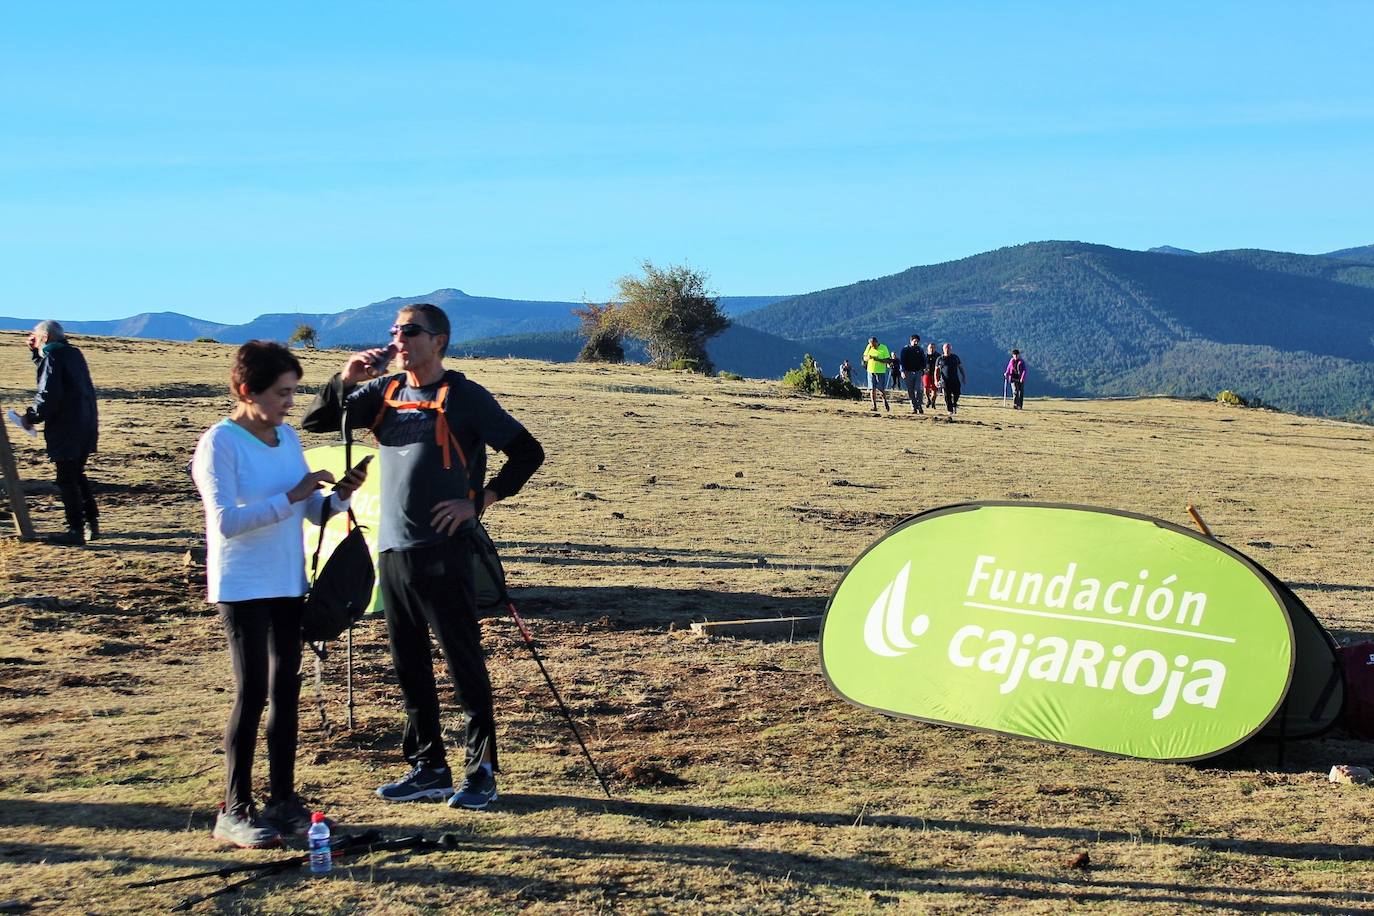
pixel 741 783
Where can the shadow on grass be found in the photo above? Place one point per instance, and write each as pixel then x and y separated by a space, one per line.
pixel 661 811
pixel 1332 586
pixel 637 607
pixel 566 553
pixel 797 874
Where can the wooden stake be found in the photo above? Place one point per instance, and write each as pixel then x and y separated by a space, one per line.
pixel 1201 525
pixel 14 489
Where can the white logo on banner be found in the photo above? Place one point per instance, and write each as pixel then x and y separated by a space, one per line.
pixel 884 630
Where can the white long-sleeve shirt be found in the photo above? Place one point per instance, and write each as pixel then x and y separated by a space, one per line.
pixel 255 545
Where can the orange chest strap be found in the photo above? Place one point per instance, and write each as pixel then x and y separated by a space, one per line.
pixel 443 435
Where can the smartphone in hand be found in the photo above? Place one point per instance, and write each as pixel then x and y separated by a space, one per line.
pixel 359 467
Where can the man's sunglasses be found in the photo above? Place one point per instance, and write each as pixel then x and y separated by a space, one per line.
pixel 410 329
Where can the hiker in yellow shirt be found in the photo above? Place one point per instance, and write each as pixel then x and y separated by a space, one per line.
pixel 876 357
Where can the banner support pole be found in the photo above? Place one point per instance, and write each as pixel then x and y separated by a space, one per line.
pixel 1201 525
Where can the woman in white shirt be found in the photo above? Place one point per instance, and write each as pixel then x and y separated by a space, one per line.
pixel 256 489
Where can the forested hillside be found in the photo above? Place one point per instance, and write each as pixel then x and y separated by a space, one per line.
pixel 1294 330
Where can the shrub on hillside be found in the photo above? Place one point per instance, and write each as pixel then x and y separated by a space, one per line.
pixel 730 376
pixel 1233 399
pixel 205 340
pixel 809 379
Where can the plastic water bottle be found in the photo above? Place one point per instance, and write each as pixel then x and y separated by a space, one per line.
pixel 321 857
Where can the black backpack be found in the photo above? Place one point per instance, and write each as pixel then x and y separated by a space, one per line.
pixel 488 575
pixel 339 593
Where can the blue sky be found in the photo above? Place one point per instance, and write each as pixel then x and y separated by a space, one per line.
pixel 231 159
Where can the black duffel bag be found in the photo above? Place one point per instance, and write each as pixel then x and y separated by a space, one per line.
pixel 339 593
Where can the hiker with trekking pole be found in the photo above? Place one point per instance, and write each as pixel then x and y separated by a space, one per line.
pixel 433 426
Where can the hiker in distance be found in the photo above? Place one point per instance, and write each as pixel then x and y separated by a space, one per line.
pixel 875 357
pixel 950 369
pixel 65 405
pixel 1016 374
pixel 256 488
pixel 433 426
pixel 913 363
pixel 928 379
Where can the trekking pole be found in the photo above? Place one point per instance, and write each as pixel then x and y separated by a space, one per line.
pixel 1005 381
pixel 529 642
pixel 343 844
pixel 348 654
pixel 446 841
pixel 349 677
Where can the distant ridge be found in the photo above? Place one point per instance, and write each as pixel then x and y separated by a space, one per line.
pixel 1294 330
pixel 1364 254
pixel 472 317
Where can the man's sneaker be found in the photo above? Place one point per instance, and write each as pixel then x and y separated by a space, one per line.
pixel 291 817
pixel 94 525
pixel 420 783
pixel 243 828
pixel 477 791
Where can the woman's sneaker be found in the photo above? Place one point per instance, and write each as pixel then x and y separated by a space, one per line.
pixel 421 783
pixel 291 817
pixel 243 828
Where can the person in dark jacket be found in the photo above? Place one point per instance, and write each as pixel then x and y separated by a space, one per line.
pixel 913 362
pixel 65 405
pixel 433 426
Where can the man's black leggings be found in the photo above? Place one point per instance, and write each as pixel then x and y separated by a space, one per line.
pixel 430 589
pixel 265 647
pixel 78 502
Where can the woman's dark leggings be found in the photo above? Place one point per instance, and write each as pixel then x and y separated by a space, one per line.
pixel 265 647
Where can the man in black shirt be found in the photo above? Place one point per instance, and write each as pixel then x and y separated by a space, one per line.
pixel 950 369
pixel 433 426
pixel 913 363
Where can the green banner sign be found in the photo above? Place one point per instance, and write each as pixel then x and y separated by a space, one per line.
pixel 1085 627
pixel 367 507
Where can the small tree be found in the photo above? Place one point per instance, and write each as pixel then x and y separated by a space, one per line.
pixel 602 327
pixel 304 335
pixel 809 379
pixel 672 312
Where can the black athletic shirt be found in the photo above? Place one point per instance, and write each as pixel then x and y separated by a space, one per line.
pixel 949 370
pixel 412 461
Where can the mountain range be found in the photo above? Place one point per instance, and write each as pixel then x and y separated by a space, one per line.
pixel 1294 331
